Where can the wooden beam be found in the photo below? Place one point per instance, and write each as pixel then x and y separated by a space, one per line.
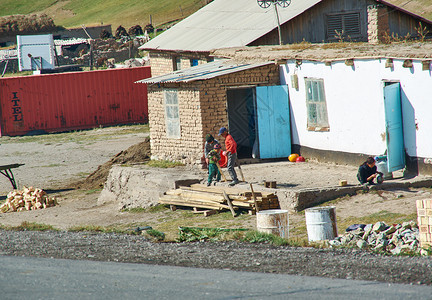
pixel 229 204
pixel 254 198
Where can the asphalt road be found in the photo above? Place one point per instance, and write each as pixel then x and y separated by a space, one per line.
pixel 44 278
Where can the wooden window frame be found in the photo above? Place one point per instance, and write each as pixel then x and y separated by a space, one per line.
pixel 176 61
pixel 316 105
pixel 172 114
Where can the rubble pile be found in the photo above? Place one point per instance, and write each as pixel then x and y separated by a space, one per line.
pixel 395 239
pixel 27 199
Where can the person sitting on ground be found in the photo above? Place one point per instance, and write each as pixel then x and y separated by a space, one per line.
pixel 209 146
pixel 367 172
pixel 213 170
pixel 231 151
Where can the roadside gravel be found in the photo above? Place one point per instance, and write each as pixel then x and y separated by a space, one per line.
pixel 340 263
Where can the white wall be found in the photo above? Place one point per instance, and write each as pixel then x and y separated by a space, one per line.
pixel 355 105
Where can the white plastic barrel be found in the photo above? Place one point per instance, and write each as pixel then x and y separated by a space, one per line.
pixel 273 221
pixel 382 167
pixel 321 223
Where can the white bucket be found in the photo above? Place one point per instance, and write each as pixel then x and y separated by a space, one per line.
pixel 273 221
pixel 382 167
pixel 321 223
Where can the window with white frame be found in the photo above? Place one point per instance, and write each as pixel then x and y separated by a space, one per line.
pixel 172 116
pixel 317 119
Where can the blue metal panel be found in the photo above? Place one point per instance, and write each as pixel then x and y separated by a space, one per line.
pixel 273 118
pixel 394 128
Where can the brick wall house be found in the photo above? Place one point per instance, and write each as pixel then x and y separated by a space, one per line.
pixel 164 62
pixel 186 105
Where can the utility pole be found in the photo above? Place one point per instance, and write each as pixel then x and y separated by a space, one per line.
pixel 281 3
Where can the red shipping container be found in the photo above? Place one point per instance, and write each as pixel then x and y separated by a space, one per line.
pixel 70 101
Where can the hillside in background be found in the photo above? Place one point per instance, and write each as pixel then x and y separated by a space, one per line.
pixel 74 13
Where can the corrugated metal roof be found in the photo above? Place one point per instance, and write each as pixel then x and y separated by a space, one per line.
pixel 8 54
pixel 70 42
pixel 225 23
pixel 203 72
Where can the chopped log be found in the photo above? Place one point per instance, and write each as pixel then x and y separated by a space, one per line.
pixel 210 212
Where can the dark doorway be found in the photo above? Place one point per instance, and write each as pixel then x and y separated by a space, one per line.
pixel 241 119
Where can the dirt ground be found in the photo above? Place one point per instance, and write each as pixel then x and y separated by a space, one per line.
pixel 60 163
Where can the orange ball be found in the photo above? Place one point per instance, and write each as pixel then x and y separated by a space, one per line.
pixel 293 157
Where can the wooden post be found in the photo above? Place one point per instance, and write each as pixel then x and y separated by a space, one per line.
pixel 241 171
pixel 229 203
pixel 220 170
pixel 254 198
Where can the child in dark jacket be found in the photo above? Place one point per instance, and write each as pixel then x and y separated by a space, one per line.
pixel 214 158
pixel 367 172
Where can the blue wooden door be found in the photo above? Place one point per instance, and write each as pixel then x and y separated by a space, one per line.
pixel 394 127
pixel 273 118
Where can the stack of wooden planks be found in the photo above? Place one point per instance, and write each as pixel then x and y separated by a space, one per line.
pixel 205 198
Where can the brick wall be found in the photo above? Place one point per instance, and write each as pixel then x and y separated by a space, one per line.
pixel 162 61
pixel 202 109
pixel 378 23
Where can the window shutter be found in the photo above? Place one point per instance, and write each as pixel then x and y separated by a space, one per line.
pixel 347 23
pixel 352 24
pixel 334 23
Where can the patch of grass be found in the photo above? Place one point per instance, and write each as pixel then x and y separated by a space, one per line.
pixel 134 210
pixel 94 228
pixel 155 234
pixel 383 216
pixel 193 234
pixel 18 74
pixel 83 174
pixel 260 237
pixel 156 208
pixel 335 45
pixel 93 191
pixel 73 13
pixel 336 201
pixel 164 164
pixel 31 226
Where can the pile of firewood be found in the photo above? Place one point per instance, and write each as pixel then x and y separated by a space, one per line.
pixel 29 198
pixel 200 197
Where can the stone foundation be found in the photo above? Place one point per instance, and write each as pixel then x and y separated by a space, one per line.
pixel 141 186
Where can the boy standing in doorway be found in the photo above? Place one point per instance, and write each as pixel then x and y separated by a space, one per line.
pixel 231 151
